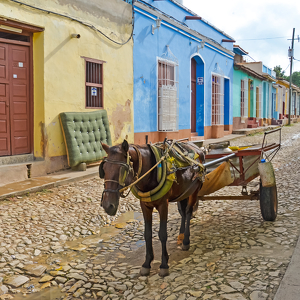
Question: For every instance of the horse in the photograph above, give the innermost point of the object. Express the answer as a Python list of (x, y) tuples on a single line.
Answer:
[(122, 166)]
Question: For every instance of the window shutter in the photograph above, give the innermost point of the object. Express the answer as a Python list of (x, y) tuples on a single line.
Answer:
[(167, 108)]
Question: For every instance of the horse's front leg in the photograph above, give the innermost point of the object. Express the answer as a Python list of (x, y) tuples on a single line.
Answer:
[(163, 214), (147, 213)]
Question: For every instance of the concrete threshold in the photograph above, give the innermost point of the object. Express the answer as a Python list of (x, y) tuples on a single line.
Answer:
[(247, 131), (46, 182)]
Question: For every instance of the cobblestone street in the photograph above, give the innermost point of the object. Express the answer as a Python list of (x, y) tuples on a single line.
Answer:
[(60, 244)]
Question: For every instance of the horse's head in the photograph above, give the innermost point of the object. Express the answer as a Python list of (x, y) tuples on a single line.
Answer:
[(116, 169)]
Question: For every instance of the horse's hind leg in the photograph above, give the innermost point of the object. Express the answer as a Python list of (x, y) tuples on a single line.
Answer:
[(189, 211), (163, 214), (147, 213), (182, 210)]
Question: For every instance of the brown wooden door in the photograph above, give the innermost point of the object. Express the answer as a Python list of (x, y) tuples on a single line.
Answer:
[(14, 100), (4, 102), (193, 95)]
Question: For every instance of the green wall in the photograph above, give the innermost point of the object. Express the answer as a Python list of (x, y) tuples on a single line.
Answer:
[(239, 75)]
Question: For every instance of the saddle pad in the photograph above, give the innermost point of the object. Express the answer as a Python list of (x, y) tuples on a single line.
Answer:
[(83, 133)]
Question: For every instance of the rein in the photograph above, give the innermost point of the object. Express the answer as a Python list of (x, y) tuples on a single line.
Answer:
[(129, 167)]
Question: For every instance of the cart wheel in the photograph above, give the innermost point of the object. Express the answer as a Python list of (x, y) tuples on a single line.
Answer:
[(268, 202)]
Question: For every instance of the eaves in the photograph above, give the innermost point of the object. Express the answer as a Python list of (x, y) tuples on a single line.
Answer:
[(269, 78), (185, 30), (242, 67), (211, 25)]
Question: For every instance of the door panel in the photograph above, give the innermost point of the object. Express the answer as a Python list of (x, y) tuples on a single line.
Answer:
[(3, 63), (5, 141), (193, 95), (19, 100)]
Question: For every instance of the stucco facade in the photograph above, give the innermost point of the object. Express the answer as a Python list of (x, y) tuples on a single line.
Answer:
[(58, 66), (182, 41)]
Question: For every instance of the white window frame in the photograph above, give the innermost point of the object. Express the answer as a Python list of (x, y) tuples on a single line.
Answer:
[(167, 99), (217, 111)]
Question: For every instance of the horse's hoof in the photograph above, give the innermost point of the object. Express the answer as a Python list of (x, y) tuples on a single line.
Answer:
[(144, 271), (163, 272), (185, 247)]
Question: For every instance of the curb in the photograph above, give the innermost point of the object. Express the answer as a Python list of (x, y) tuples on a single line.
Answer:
[(48, 185)]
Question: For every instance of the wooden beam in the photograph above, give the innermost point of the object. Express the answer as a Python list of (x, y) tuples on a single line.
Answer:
[(228, 41), (23, 26), (193, 18), (245, 197)]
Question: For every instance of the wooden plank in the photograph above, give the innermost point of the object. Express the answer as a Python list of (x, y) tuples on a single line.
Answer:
[(193, 18)]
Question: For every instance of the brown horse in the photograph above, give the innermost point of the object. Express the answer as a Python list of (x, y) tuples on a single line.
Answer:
[(121, 167)]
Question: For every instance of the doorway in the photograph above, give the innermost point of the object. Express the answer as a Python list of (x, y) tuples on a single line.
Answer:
[(193, 94), (197, 95), (15, 114)]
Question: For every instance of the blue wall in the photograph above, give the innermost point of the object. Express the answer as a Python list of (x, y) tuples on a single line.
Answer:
[(147, 48), (179, 13)]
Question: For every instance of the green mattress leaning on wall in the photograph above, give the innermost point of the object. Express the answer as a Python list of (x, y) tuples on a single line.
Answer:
[(83, 133)]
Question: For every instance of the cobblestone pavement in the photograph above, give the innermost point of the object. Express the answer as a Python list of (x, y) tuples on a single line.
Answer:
[(59, 244)]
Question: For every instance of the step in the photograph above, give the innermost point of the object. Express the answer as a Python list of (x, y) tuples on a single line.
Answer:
[(195, 138), (15, 172), (252, 125), (12, 173), (16, 159)]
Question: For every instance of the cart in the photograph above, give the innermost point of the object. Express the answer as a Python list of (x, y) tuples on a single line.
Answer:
[(244, 167)]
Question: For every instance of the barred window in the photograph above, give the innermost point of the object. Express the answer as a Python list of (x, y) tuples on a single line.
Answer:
[(93, 83), (167, 96), (244, 98), (217, 100)]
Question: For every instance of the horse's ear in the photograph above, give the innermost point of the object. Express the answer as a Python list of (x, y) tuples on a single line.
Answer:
[(105, 147), (125, 146)]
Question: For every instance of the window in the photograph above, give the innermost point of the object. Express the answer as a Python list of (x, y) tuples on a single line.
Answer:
[(167, 96), (93, 83), (244, 98), (217, 100)]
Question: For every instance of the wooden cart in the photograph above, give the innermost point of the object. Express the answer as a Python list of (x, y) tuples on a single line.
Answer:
[(244, 166)]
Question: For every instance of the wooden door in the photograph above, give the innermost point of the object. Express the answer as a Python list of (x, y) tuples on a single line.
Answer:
[(4, 102), (14, 100), (193, 94), (19, 99)]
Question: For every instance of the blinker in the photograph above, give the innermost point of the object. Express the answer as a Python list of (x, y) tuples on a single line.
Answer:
[(101, 171)]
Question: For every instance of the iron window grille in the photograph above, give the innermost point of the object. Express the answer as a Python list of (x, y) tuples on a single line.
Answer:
[(217, 100), (93, 83)]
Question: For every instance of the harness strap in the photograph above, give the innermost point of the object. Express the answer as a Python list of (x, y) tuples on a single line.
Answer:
[(110, 180), (189, 191), (140, 160)]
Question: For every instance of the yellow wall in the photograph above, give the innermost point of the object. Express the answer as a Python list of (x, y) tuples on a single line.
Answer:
[(59, 70)]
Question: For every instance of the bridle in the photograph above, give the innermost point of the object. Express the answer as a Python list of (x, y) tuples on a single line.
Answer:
[(125, 170)]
